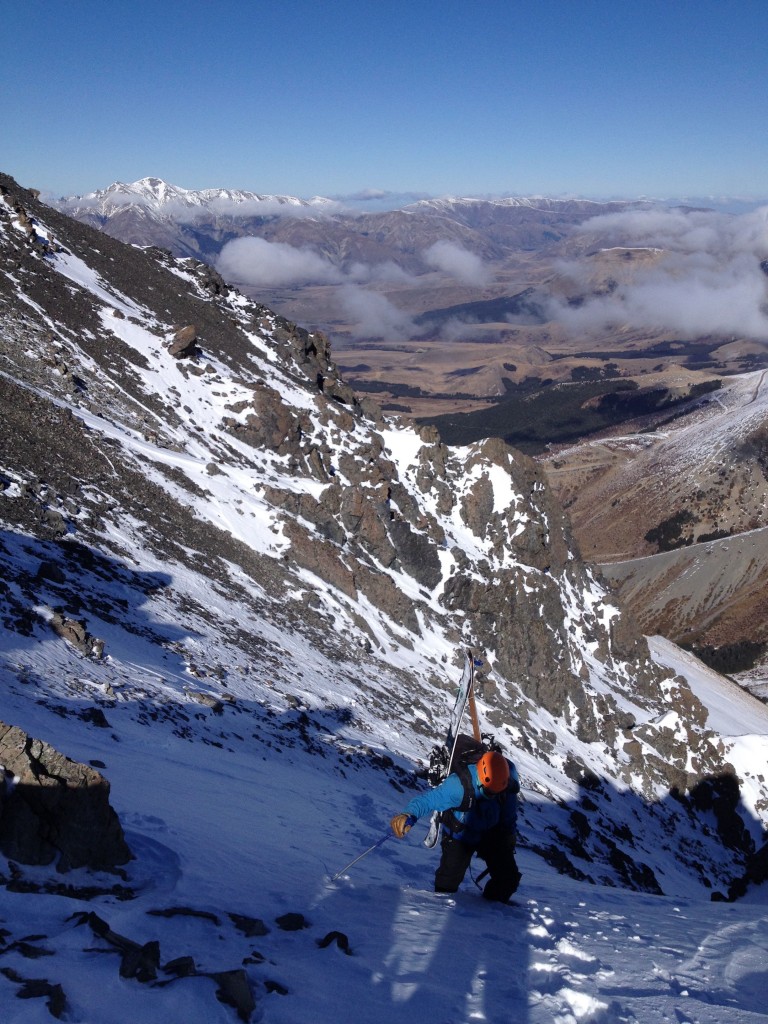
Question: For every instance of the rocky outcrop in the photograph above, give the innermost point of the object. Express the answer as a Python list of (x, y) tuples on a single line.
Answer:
[(55, 809), (75, 632), (183, 344)]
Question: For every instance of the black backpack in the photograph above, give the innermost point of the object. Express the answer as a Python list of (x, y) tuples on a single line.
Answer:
[(467, 751)]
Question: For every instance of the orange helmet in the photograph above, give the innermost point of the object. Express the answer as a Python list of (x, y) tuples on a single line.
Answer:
[(493, 772)]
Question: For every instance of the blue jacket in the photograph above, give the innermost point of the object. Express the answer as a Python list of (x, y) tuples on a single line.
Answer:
[(487, 812)]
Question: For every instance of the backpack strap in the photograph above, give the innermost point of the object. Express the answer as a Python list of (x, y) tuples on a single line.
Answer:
[(468, 800)]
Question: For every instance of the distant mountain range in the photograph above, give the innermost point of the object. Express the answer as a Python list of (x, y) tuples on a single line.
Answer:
[(198, 223)]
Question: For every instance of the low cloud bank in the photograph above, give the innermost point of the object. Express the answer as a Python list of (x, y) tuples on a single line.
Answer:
[(254, 261), (707, 278), (374, 315), (463, 265), (257, 263)]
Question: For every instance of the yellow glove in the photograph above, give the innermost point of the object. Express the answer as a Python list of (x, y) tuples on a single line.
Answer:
[(401, 823)]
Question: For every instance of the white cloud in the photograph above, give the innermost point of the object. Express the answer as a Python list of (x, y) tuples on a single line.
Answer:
[(707, 279), (387, 272), (374, 316), (254, 261), (267, 206), (460, 263)]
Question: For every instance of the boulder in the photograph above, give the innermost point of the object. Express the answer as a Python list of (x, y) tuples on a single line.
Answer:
[(183, 343), (55, 809), (74, 631)]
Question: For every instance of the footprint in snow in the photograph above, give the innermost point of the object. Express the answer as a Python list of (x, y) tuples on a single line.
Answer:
[(581, 962)]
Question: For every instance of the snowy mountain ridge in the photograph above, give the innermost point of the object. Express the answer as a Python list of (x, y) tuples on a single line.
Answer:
[(155, 193), (271, 576), (347, 232), (160, 196)]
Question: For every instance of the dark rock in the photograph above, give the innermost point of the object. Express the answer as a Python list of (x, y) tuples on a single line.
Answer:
[(634, 874), (276, 986), (722, 794), (57, 810), (233, 990), (208, 700), (292, 922), (205, 915), (319, 557), (96, 717), (141, 962), (39, 988), (756, 873), (75, 632), (209, 279), (339, 938), (417, 553), (183, 343), (249, 926), (30, 952), (51, 571), (181, 967), (138, 961), (578, 772)]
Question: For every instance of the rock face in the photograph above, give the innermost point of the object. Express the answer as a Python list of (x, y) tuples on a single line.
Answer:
[(54, 809)]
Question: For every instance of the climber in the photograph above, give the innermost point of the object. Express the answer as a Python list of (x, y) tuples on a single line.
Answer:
[(478, 805)]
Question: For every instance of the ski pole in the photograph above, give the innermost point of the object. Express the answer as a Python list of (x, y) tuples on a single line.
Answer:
[(384, 838), (376, 845)]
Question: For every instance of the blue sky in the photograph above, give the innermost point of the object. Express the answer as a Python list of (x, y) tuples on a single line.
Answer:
[(632, 97)]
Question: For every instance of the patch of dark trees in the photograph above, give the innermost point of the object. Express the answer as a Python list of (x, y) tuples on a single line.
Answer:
[(406, 390), (538, 412), (677, 349), (728, 659), (677, 531), (755, 447), (694, 355)]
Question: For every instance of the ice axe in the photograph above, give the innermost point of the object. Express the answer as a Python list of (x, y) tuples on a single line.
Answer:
[(387, 835)]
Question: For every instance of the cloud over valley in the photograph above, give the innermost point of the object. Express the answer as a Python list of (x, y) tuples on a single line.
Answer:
[(257, 262), (693, 271), (461, 264), (254, 263)]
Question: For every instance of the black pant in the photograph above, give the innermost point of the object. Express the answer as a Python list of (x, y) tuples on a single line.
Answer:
[(496, 848)]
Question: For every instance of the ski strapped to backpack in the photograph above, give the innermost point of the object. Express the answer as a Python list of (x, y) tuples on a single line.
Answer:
[(459, 750), (441, 756)]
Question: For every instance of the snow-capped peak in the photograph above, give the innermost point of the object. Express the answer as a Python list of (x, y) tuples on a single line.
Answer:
[(156, 194)]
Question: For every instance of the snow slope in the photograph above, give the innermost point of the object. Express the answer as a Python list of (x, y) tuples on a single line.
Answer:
[(234, 814)]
